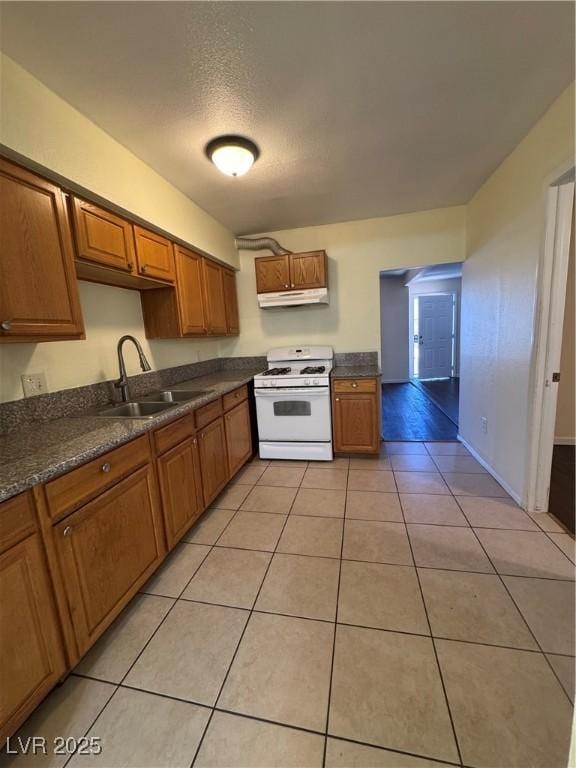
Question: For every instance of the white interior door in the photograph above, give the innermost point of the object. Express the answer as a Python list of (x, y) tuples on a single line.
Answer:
[(436, 329)]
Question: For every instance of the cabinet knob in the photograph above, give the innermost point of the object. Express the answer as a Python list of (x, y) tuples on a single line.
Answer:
[(67, 531), (105, 467), (130, 266), (143, 268), (286, 285), (292, 285), (337, 399), (354, 384), (194, 441), (6, 325)]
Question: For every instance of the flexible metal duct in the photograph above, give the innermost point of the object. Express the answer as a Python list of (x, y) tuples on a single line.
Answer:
[(260, 243)]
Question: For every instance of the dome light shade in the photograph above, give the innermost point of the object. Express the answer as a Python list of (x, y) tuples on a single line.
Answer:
[(232, 155)]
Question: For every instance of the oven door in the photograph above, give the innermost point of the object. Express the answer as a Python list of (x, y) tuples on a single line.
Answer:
[(299, 414)]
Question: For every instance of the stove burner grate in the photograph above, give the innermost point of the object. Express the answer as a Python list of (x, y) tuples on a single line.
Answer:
[(314, 369), (277, 372)]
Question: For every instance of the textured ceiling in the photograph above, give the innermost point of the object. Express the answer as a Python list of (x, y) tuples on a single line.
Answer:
[(359, 109)]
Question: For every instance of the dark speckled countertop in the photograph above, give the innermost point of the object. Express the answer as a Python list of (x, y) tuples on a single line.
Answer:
[(39, 452), (355, 371)]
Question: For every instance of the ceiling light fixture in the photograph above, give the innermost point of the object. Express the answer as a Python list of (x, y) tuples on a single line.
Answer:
[(232, 155)]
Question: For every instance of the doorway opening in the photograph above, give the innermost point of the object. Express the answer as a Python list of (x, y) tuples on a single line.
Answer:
[(552, 449), (420, 352)]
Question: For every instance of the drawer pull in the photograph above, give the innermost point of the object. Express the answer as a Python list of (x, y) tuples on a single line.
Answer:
[(67, 531), (106, 467), (6, 325)]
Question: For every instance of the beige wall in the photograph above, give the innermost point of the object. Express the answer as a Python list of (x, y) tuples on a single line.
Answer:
[(566, 410), (41, 126), (357, 252), (505, 225)]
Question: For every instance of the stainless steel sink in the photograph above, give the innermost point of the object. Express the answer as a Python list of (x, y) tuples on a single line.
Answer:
[(174, 395), (134, 410)]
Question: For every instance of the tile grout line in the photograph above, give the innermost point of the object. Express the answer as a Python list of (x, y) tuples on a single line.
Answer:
[(336, 619), (250, 613), (452, 724), (511, 596)]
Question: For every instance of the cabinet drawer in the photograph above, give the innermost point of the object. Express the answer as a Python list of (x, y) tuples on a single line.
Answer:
[(208, 413), (17, 520), (174, 433), (73, 489), (235, 397), (355, 385)]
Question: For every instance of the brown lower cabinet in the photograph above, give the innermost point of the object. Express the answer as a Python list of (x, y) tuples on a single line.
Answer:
[(107, 550), (356, 415), (31, 650), (181, 488), (75, 551), (238, 436), (213, 458)]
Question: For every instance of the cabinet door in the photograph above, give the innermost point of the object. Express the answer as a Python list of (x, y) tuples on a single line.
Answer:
[(154, 255), (213, 460), (308, 270), (356, 423), (231, 302), (30, 643), (38, 287), (190, 294), (214, 292), (103, 237), (272, 273), (181, 488), (238, 436), (107, 550)]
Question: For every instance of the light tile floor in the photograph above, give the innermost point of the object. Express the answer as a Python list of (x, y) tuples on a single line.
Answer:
[(398, 612)]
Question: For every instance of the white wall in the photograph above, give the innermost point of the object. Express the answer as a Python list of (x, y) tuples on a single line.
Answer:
[(394, 329), (41, 126), (357, 252), (505, 225)]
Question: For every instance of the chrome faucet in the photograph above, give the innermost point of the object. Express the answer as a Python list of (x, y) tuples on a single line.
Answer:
[(122, 382)]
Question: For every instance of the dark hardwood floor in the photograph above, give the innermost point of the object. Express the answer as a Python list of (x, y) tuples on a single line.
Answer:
[(444, 393), (562, 499), (409, 414)]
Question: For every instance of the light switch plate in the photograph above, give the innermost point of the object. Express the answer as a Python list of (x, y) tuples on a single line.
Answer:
[(34, 384)]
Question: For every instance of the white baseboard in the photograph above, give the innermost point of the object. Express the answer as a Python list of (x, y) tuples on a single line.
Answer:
[(517, 498), (395, 381), (565, 441)]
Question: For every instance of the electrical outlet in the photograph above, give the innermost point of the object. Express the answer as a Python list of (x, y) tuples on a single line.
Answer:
[(34, 384), (484, 422)]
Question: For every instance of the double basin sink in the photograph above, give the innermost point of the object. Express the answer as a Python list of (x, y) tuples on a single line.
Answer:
[(151, 405)]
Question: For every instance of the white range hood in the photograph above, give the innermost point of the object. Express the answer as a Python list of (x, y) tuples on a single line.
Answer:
[(293, 298)]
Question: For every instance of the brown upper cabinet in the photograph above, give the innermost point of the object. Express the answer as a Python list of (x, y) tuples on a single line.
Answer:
[(295, 271), (102, 237), (214, 293), (272, 273), (231, 302), (203, 303), (154, 256), (38, 289)]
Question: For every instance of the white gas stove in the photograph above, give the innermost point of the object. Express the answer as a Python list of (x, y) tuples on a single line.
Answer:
[(293, 404)]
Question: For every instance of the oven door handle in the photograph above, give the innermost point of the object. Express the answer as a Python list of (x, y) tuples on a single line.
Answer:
[(310, 391)]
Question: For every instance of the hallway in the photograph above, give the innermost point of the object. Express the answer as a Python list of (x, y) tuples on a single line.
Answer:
[(420, 410)]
